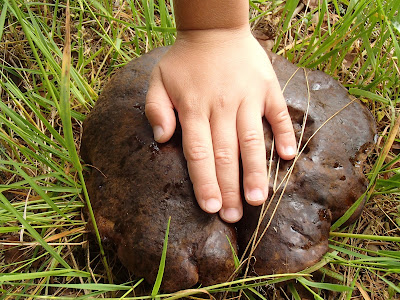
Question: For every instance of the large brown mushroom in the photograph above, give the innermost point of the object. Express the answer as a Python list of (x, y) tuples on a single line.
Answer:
[(135, 184)]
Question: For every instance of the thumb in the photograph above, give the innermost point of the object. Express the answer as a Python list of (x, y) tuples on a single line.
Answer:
[(159, 109)]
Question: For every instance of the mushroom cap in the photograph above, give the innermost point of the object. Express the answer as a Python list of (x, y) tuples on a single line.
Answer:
[(136, 184)]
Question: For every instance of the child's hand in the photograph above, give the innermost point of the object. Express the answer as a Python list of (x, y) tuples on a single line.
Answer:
[(221, 83)]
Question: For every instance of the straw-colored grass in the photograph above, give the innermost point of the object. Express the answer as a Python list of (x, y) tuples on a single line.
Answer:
[(54, 64)]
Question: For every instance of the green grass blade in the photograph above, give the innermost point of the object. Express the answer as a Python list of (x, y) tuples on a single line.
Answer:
[(34, 275), (294, 292), (235, 257), (391, 284), (160, 274), (65, 110), (3, 18), (367, 236), (325, 286), (349, 212), (369, 95)]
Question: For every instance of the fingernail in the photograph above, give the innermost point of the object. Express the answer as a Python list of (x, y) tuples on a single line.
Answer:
[(213, 205), (158, 132), (290, 151), (255, 195), (231, 215)]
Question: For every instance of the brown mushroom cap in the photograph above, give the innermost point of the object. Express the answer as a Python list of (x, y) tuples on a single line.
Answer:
[(135, 184)]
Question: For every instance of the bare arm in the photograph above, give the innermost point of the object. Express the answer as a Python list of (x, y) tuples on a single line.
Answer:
[(221, 83), (211, 14)]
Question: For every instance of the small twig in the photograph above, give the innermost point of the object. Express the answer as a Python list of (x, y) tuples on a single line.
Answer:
[(21, 234)]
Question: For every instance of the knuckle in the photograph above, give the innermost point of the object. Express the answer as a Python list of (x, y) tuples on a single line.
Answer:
[(287, 133), (282, 124), (221, 101), (206, 190), (268, 77), (252, 139), (230, 193), (282, 117), (197, 152), (190, 107), (150, 107), (223, 156), (256, 173)]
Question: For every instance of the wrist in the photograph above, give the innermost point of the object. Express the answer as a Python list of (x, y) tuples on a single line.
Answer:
[(214, 35)]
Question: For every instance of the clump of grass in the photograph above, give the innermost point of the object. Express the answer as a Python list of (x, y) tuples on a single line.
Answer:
[(42, 191), (42, 180)]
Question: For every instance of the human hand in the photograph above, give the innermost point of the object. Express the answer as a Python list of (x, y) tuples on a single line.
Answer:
[(221, 83)]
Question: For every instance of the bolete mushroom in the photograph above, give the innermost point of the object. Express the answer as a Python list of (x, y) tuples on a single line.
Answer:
[(135, 184)]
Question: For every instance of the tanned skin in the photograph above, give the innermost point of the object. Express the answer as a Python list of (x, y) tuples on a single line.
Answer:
[(221, 82)]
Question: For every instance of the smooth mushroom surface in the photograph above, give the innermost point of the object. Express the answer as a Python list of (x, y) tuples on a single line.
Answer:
[(136, 184)]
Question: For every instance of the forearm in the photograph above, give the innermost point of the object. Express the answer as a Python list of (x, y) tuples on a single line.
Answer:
[(211, 14)]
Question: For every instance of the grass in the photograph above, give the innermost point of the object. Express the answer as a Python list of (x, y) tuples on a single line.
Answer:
[(50, 79)]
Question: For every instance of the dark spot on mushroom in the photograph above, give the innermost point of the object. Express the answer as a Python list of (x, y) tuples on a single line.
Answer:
[(306, 150), (323, 215), (336, 165), (166, 187)]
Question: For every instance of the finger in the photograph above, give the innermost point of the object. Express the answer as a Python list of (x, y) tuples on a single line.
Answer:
[(252, 149), (226, 156), (198, 150), (278, 117), (159, 109)]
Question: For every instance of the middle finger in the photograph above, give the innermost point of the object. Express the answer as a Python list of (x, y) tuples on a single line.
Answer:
[(226, 155)]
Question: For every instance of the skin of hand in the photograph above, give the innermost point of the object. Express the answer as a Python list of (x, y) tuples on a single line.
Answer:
[(221, 83)]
